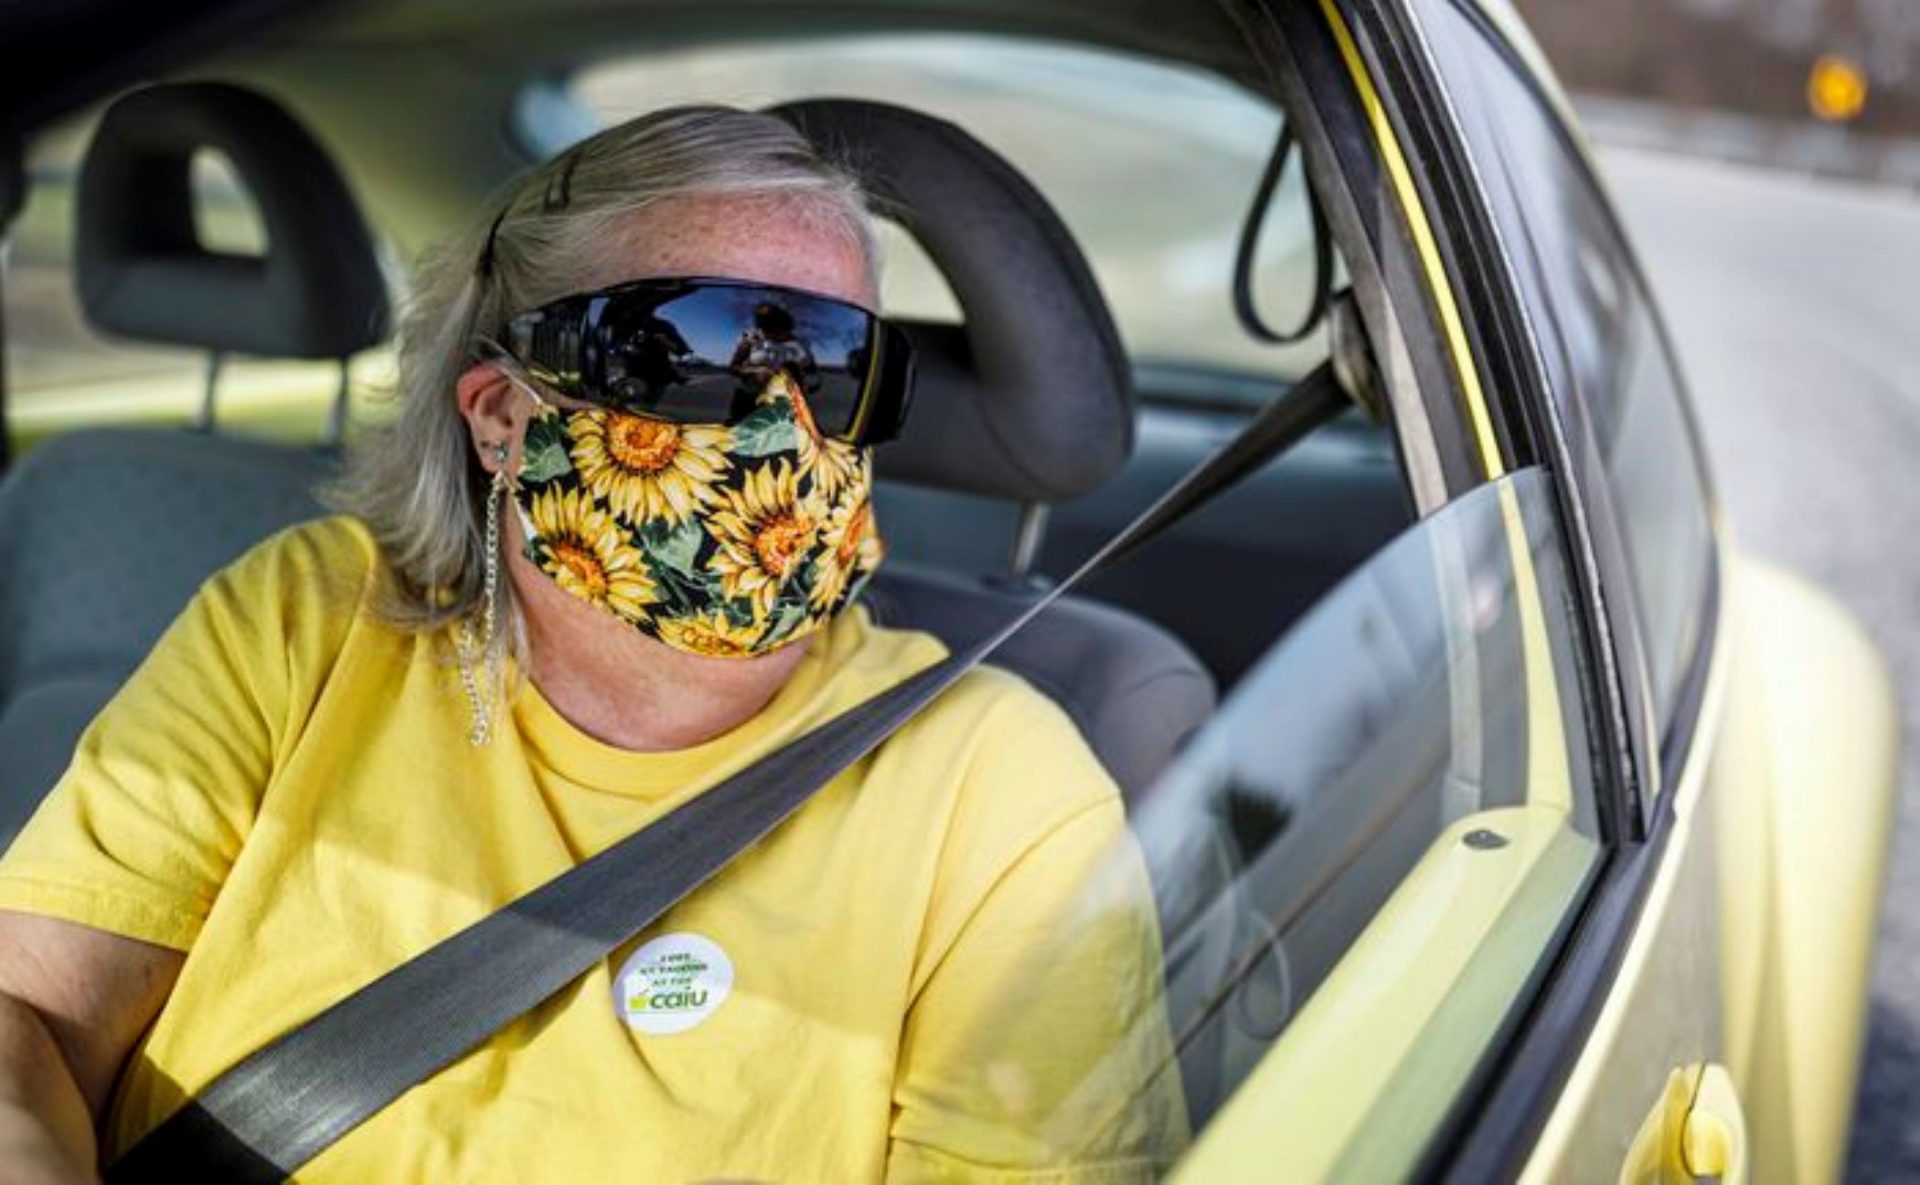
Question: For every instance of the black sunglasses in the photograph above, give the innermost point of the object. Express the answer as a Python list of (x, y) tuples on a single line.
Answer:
[(698, 350)]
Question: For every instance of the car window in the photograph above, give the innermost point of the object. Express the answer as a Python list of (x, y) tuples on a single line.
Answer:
[(1365, 856), (1151, 166), (63, 374), (1605, 323)]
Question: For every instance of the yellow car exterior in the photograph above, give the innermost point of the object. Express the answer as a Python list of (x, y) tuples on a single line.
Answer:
[(1728, 1040)]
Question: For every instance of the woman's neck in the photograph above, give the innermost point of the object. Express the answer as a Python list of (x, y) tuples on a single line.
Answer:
[(627, 690)]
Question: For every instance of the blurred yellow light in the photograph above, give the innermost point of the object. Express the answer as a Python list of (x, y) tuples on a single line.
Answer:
[(1836, 89)]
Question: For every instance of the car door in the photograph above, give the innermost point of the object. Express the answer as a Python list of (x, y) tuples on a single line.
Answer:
[(1629, 1038), (1390, 851), (1372, 863)]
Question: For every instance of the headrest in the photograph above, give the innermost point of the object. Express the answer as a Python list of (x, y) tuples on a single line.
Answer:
[(1031, 398), (316, 293)]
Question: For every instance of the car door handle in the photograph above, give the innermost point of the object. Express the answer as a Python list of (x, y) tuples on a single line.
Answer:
[(1716, 1129), (1695, 1132)]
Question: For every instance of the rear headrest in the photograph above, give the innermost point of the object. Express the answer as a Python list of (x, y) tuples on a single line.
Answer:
[(1031, 398), (316, 293)]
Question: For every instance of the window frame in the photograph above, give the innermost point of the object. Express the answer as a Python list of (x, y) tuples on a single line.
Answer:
[(1658, 744), (1424, 401), (1494, 1127), (1494, 1121)]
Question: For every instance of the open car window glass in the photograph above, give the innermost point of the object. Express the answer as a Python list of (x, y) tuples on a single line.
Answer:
[(1151, 166), (1360, 863)]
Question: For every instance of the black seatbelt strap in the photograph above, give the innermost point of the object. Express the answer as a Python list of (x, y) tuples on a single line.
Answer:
[(285, 1103)]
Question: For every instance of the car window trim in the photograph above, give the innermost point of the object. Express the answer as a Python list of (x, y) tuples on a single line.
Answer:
[(1666, 748), (1400, 136), (1384, 31), (1511, 348), (1494, 1129), (1682, 721), (1539, 1037), (1312, 85)]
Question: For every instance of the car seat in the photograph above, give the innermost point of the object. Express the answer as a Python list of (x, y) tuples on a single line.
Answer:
[(112, 530)]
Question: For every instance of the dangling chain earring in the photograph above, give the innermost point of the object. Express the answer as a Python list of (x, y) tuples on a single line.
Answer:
[(482, 704)]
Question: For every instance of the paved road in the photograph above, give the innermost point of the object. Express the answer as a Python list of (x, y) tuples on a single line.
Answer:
[(1797, 306)]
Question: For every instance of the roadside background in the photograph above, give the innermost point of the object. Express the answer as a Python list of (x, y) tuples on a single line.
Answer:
[(1823, 86), (1766, 157)]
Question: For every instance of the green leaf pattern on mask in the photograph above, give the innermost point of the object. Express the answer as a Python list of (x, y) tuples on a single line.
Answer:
[(545, 463), (676, 549), (546, 449), (768, 432)]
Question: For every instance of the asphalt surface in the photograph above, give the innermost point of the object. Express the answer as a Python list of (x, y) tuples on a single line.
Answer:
[(1796, 304)]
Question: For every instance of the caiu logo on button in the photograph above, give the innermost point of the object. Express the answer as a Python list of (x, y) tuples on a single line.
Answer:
[(672, 983)]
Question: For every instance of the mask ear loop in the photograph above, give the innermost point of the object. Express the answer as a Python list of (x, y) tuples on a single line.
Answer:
[(541, 408), (486, 349)]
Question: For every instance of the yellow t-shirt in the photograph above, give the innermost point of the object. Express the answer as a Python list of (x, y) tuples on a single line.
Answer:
[(945, 966)]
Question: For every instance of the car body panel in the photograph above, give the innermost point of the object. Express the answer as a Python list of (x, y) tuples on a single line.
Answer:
[(1757, 935), (1808, 760), (1661, 1009)]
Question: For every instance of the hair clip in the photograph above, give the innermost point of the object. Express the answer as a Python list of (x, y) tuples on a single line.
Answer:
[(559, 193), (560, 186), (486, 252)]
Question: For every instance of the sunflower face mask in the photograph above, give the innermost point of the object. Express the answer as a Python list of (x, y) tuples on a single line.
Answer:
[(718, 540)]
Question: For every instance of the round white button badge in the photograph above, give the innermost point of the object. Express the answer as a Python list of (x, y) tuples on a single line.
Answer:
[(672, 983)]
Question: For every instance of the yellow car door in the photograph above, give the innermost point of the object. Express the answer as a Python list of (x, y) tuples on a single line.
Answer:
[(1708, 1015)]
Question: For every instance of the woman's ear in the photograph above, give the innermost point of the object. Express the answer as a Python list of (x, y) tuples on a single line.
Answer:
[(496, 411)]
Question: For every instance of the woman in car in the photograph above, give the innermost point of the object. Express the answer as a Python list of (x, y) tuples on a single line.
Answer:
[(556, 607)]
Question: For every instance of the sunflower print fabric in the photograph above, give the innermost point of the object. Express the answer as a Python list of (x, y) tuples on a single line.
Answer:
[(717, 540)]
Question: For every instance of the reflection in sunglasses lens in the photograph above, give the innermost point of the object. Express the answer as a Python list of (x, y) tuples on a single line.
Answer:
[(705, 354)]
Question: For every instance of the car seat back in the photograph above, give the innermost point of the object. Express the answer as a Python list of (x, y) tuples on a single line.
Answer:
[(108, 533)]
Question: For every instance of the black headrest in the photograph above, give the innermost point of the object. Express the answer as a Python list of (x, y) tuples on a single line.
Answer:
[(316, 293), (1032, 397)]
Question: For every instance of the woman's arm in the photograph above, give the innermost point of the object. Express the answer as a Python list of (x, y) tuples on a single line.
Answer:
[(73, 1002), (1037, 1045), (115, 873)]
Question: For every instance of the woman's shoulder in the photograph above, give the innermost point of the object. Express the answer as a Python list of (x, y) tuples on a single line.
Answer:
[(986, 696), (312, 577), (332, 553), (1003, 733)]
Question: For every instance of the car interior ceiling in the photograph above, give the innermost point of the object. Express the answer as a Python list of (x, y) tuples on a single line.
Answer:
[(1209, 35)]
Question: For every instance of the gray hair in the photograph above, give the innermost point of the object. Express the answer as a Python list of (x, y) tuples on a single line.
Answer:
[(415, 480)]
